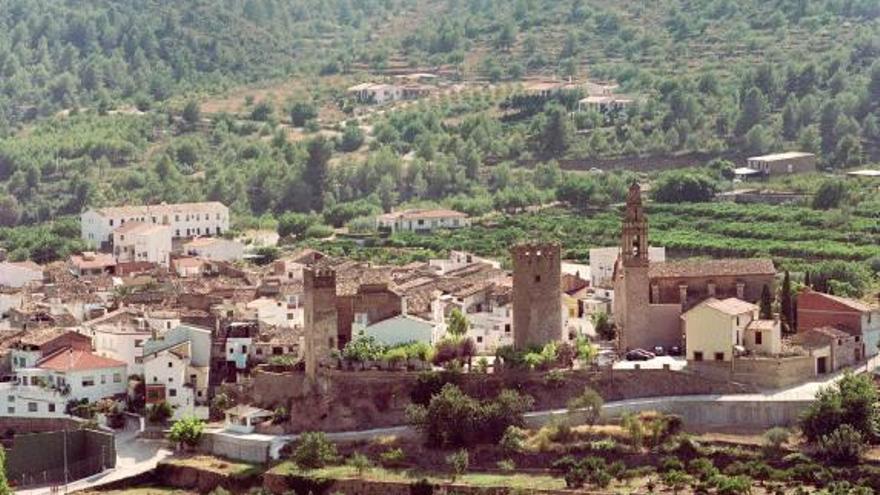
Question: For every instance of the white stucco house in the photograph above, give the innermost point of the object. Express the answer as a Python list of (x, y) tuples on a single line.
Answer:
[(602, 263), (184, 219), (715, 330), (176, 370), (67, 374), (18, 274), (273, 312), (422, 220), (403, 329), (214, 248), (142, 242)]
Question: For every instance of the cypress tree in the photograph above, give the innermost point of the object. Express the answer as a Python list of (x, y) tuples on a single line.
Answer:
[(766, 311), (785, 305)]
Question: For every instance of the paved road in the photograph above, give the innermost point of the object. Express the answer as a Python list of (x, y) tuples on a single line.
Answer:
[(134, 456)]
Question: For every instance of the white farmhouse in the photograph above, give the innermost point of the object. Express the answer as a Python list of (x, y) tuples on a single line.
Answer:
[(142, 242), (19, 274), (215, 248), (176, 370), (273, 312), (715, 330), (184, 219), (422, 220), (602, 262)]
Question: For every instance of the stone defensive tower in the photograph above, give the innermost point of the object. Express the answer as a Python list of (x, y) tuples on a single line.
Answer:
[(319, 308), (631, 281), (537, 301)]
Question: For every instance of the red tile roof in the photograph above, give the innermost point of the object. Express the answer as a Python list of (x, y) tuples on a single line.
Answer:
[(712, 268), (73, 360)]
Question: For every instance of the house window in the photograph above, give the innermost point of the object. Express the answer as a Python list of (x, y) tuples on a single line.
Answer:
[(111, 222), (839, 341), (88, 381), (277, 351), (139, 343), (117, 378), (537, 278), (737, 321), (507, 328), (244, 349), (170, 364), (719, 356), (11, 398), (259, 351), (172, 392), (479, 339), (51, 407), (698, 356), (759, 339), (103, 379), (10, 410), (32, 407)]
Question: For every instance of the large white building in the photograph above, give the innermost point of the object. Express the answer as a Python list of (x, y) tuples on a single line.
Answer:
[(422, 220), (184, 219), (142, 242), (602, 262)]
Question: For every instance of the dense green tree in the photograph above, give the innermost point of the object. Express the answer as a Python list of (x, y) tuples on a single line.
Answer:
[(558, 132), (315, 176), (766, 306), (684, 187), (830, 194), (192, 113), (457, 324), (752, 111), (301, 112)]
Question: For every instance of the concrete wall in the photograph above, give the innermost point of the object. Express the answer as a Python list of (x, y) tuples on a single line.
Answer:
[(704, 412), (39, 458), (235, 447)]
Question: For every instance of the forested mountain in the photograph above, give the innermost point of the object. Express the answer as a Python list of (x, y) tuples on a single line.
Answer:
[(58, 54), (244, 102)]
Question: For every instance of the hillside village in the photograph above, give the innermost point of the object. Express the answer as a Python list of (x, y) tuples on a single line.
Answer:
[(167, 319)]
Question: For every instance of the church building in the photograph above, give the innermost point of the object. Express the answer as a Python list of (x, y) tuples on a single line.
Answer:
[(649, 298)]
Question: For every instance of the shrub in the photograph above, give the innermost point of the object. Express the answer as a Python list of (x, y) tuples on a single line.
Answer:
[(675, 480), (670, 464), (360, 463), (589, 403), (160, 412), (506, 465), (732, 485), (453, 419), (775, 438), (392, 457), (849, 402), (554, 379), (843, 445), (512, 440), (187, 431), (314, 451), (458, 462)]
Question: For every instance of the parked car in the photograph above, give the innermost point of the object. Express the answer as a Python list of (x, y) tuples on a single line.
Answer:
[(659, 350), (675, 351), (639, 355)]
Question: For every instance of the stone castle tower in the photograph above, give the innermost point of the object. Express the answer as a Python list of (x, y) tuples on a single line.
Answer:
[(319, 308), (537, 302), (631, 281)]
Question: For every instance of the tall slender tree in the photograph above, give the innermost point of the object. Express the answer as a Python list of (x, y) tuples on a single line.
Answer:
[(786, 306), (766, 311)]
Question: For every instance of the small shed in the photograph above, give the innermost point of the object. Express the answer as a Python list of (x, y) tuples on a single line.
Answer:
[(243, 418)]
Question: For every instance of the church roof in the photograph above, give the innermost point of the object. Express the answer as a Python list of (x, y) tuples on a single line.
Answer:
[(727, 267)]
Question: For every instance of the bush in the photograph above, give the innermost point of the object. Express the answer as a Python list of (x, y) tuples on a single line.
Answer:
[(506, 465), (458, 462), (360, 463), (314, 451), (392, 457), (589, 403), (513, 439), (318, 231), (845, 445), (680, 186), (187, 431), (702, 468), (160, 412), (776, 438), (851, 401), (732, 485), (453, 419)]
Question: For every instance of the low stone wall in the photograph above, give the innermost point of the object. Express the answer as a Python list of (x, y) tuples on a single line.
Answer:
[(201, 480), (280, 484), (346, 401), (763, 373), (707, 412)]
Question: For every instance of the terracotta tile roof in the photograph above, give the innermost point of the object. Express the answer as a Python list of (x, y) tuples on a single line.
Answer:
[(30, 265), (416, 214), (39, 336), (141, 228), (731, 306), (818, 337), (161, 209), (712, 268), (73, 360), (850, 303), (90, 260), (763, 325), (572, 283)]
